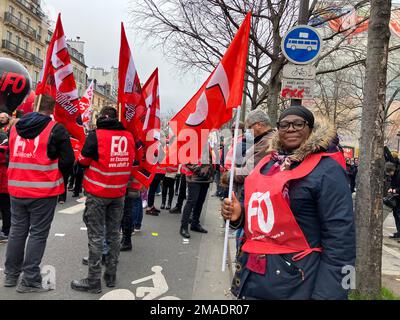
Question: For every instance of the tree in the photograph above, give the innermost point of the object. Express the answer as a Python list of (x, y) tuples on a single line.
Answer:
[(369, 207), (196, 33)]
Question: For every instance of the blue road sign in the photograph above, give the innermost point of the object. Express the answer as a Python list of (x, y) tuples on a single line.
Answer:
[(301, 44)]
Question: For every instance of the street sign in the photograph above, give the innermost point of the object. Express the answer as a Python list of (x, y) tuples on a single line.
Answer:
[(297, 89), (301, 44), (293, 71)]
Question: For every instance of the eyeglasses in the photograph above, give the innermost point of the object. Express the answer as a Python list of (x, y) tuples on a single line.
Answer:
[(297, 125)]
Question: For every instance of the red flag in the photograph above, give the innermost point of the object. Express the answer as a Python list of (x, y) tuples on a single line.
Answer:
[(212, 105), (85, 106), (130, 99), (58, 81), (146, 169)]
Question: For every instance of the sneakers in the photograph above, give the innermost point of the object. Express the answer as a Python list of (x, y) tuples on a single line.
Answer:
[(10, 282), (126, 244), (176, 210), (158, 194), (162, 206), (3, 238), (144, 204), (395, 236), (81, 200), (137, 230), (87, 285), (168, 207), (23, 287)]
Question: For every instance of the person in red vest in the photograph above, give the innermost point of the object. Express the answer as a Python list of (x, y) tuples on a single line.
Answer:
[(40, 154), (108, 156), (298, 217), (5, 205)]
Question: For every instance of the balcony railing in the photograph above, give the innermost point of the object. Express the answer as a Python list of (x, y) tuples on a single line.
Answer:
[(31, 7), (22, 26), (22, 53)]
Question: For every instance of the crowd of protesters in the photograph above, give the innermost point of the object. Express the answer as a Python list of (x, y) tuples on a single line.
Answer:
[(296, 172)]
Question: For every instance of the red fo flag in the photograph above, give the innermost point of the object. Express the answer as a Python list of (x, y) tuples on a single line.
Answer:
[(130, 99), (146, 169), (85, 106), (212, 106), (59, 82)]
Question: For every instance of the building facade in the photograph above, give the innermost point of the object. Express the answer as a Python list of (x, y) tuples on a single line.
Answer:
[(23, 33), (102, 97), (76, 49), (104, 77)]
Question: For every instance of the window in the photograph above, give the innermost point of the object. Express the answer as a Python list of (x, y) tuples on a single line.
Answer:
[(9, 36), (39, 31), (18, 41), (36, 77), (26, 47), (38, 52), (11, 9), (28, 21), (20, 15)]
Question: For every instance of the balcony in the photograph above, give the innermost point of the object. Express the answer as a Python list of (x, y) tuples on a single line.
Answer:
[(32, 8), (22, 53), (21, 26)]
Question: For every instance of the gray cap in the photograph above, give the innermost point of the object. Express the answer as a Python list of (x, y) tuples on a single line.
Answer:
[(256, 116)]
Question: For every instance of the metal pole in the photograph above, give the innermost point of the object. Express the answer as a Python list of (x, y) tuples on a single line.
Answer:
[(302, 20)]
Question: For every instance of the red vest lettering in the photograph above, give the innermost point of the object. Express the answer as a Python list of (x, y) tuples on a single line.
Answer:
[(109, 176), (270, 226), (31, 174)]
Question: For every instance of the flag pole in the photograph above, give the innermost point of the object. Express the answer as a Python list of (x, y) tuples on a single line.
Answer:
[(235, 138), (119, 112), (37, 107)]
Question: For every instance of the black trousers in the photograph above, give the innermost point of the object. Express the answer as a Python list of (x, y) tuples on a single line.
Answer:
[(153, 188), (127, 221), (396, 215), (5, 208), (177, 182), (78, 180), (197, 194), (168, 187), (182, 191)]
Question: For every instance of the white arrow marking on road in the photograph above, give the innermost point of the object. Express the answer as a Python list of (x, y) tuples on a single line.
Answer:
[(74, 209)]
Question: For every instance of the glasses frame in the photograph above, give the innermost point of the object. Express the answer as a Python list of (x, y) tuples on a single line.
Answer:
[(291, 124)]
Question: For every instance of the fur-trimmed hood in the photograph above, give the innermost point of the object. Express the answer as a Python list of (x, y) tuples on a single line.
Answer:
[(321, 137)]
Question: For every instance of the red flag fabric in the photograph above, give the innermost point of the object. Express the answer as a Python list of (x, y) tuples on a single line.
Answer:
[(85, 106), (145, 171), (28, 105), (58, 81), (212, 106), (130, 99)]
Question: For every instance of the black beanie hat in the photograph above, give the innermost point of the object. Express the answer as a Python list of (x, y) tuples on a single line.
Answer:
[(299, 111)]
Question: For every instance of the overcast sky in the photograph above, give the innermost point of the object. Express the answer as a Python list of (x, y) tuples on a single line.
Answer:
[(97, 22)]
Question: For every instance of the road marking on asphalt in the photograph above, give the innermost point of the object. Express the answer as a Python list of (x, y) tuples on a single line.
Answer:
[(74, 209), (59, 235), (391, 251), (83, 229)]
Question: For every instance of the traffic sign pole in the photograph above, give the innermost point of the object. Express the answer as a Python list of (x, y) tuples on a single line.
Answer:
[(303, 19)]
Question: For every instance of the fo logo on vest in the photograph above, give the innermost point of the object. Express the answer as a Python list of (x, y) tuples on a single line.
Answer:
[(21, 146), (119, 146), (257, 201)]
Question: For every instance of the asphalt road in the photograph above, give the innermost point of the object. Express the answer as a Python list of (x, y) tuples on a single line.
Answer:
[(190, 270)]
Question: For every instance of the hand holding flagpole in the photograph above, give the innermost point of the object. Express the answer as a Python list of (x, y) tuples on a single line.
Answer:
[(235, 138)]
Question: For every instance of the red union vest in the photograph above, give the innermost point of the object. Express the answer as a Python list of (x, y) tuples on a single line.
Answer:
[(31, 174), (270, 226), (109, 176)]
